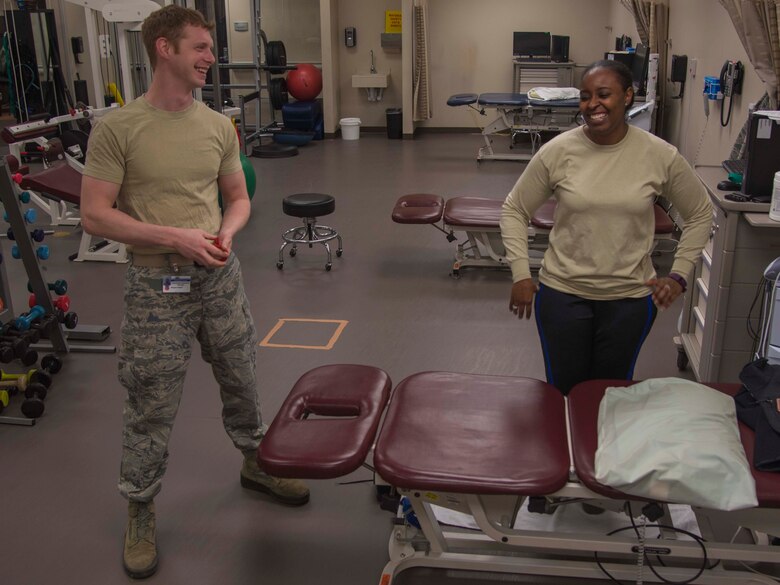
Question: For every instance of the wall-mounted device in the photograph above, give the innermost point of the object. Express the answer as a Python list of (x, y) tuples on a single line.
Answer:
[(350, 36), (77, 44), (679, 73), (731, 75), (731, 78)]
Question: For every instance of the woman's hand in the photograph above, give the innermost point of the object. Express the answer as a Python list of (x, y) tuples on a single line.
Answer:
[(665, 291), (522, 298)]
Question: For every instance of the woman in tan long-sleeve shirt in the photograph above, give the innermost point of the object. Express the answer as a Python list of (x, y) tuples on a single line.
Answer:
[(598, 292)]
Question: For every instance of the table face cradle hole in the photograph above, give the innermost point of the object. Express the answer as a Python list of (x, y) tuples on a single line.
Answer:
[(304, 333)]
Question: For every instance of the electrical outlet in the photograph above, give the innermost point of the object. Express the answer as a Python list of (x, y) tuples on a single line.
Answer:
[(692, 67), (105, 46)]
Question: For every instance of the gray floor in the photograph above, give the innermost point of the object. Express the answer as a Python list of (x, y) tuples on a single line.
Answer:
[(61, 519)]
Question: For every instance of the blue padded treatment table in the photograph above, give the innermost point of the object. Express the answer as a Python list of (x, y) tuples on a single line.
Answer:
[(518, 114)]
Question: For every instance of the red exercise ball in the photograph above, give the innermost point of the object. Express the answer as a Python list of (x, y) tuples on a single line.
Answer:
[(305, 82)]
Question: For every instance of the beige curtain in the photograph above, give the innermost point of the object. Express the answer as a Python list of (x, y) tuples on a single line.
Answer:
[(422, 80), (757, 23), (652, 24)]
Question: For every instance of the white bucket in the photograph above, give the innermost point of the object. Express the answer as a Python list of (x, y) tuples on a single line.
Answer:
[(350, 128)]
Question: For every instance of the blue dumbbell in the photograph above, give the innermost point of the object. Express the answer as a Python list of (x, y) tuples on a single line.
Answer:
[(24, 196), (29, 215), (23, 322), (42, 252)]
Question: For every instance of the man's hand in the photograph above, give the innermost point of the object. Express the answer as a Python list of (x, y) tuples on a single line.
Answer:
[(199, 246), (522, 298)]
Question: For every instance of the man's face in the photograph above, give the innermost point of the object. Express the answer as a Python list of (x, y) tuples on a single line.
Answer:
[(193, 56)]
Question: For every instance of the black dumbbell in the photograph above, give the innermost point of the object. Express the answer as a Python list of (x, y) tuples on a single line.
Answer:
[(30, 335), (59, 287), (45, 325), (37, 234), (7, 354), (34, 395), (50, 365), (19, 345), (70, 320)]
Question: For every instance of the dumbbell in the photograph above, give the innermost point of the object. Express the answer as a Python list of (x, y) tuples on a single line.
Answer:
[(19, 344), (37, 234), (59, 287), (70, 320), (23, 322), (45, 325), (50, 365), (4, 399), (8, 354), (9, 331), (15, 381), (41, 251), (8, 377), (29, 215), (62, 303), (34, 395)]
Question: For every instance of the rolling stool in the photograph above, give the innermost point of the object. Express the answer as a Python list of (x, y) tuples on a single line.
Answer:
[(309, 206)]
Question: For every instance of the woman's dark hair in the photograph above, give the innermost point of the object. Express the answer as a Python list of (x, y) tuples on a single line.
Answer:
[(621, 71)]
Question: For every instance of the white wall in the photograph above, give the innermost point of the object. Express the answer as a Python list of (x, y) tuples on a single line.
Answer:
[(471, 44), (471, 51), (368, 17), (702, 30)]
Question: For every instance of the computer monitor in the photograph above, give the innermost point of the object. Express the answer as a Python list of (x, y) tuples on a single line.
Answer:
[(531, 44), (763, 144), (639, 69)]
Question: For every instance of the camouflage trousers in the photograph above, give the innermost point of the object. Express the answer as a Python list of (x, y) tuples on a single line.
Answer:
[(158, 331)]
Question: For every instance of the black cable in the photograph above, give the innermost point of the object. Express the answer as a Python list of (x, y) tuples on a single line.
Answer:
[(723, 109), (658, 557), (698, 539), (755, 335)]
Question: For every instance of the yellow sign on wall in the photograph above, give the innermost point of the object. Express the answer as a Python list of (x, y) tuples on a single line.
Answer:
[(392, 21)]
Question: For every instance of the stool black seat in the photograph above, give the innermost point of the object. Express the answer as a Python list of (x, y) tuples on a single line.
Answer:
[(309, 206)]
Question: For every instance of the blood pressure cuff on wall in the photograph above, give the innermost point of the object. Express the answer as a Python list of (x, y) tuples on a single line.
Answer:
[(672, 440)]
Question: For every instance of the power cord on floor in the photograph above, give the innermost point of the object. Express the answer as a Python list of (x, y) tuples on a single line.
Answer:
[(645, 561)]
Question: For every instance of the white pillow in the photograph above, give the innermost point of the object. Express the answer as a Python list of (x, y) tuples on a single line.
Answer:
[(672, 440)]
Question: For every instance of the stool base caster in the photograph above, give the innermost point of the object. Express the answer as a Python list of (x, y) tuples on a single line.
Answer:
[(327, 267), (280, 265)]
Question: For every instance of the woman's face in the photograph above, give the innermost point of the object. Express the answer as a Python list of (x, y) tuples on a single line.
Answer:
[(603, 103)]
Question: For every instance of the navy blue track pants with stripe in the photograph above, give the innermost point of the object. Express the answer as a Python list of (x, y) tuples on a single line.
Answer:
[(587, 340)]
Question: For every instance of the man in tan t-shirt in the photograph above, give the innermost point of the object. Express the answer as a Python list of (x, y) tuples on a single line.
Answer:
[(153, 172)]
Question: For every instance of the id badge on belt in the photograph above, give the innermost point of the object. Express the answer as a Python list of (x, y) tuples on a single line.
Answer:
[(176, 284)]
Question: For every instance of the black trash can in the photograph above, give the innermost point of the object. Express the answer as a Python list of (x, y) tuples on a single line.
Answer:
[(395, 124)]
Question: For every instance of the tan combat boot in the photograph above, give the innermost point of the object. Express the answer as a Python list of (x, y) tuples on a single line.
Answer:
[(292, 492), (140, 556)]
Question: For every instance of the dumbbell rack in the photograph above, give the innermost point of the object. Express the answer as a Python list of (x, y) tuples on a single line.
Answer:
[(57, 338)]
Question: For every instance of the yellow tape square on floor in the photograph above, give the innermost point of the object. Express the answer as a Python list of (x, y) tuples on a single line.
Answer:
[(337, 323)]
